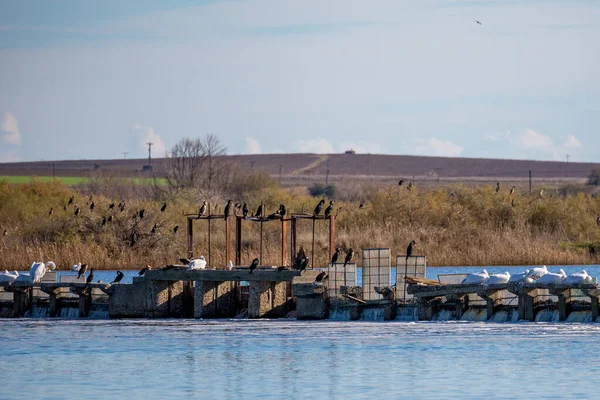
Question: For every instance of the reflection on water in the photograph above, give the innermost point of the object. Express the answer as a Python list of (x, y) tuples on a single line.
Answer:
[(289, 359)]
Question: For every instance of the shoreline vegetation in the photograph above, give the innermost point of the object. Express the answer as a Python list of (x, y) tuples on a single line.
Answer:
[(453, 225)]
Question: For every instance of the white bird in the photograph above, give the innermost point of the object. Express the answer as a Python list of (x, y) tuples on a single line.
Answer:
[(230, 265), (477, 277), (76, 267), (551, 277), (39, 269), (578, 277), (537, 272), (8, 276), (198, 263), (519, 277), (498, 278)]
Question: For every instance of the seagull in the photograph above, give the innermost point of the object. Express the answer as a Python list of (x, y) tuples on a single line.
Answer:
[(118, 278), (253, 265)]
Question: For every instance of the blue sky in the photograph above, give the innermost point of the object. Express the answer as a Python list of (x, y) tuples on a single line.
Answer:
[(83, 79)]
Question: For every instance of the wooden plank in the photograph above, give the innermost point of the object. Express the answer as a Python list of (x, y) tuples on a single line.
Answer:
[(270, 275), (361, 301)]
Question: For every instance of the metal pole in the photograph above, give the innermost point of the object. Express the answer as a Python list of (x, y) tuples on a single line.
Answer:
[(312, 250), (261, 232)]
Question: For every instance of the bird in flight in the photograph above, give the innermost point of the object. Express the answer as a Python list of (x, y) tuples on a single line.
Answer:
[(479, 22)]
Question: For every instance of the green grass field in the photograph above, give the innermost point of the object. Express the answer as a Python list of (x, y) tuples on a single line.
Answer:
[(67, 180)]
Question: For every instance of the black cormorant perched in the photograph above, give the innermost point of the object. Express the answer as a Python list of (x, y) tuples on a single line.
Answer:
[(245, 210), (71, 200), (202, 209), (92, 206), (228, 208), (361, 205), (82, 271), (282, 211), (512, 190), (349, 256), (409, 249), (176, 228), (253, 265), (109, 220), (76, 213), (335, 256), (318, 208), (329, 209), (111, 205), (321, 277), (154, 228), (300, 257), (144, 270), (410, 185), (304, 264), (90, 277), (141, 213), (164, 207), (184, 261), (401, 182), (51, 211), (103, 220), (259, 211), (118, 277), (497, 187)]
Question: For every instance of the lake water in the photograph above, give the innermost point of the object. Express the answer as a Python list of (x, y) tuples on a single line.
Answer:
[(286, 359)]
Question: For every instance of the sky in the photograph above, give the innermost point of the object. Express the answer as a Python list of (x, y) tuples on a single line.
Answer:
[(96, 79)]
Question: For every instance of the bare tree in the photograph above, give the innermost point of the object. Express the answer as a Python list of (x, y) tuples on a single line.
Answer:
[(192, 162)]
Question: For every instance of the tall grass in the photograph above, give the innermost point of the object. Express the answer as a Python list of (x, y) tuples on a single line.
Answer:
[(452, 226)]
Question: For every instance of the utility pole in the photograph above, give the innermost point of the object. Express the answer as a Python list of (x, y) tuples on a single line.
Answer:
[(125, 154), (529, 181), (149, 152), (567, 158), (437, 170), (280, 169), (327, 176)]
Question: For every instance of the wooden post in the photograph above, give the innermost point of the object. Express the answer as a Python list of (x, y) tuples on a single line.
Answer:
[(209, 243), (228, 249), (284, 230), (261, 241), (238, 244), (190, 237), (331, 235), (594, 304), (312, 249), (85, 302), (293, 244)]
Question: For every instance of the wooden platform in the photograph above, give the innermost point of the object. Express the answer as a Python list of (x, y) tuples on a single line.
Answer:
[(236, 275)]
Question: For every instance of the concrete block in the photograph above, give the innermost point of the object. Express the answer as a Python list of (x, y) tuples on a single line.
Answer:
[(312, 301), (163, 299), (267, 299), (127, 300), (215, 299)]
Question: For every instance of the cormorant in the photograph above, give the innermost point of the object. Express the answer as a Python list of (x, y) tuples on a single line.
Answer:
[(103, 220), (202, 209), (282, 211), (401, 182), (304, 264), (497, 187), (281, 268), (90, 277), (176, 228), (51, 211), (361, 205), (76, 213), (133, 239), (318, 208), (141, 213), (253, 265), (245, 210), (259, 211), (144, 270), (71, 200), (228, 209), (82, 271), (184, 261), (512, 190), (300, 257), (410, 185), (164, 207), (409, 249), (109, 220), (335, 256), (329, 209), (118, 278), (154, 228), (321, 277), (349, 256), (111, 205), (92, 206)]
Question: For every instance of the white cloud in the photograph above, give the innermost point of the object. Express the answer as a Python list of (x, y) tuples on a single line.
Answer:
[(436, 147), (530, 139), (9, 156), (319, 145), (10, 128), (252, 146), (143, 135), (571, 142)]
